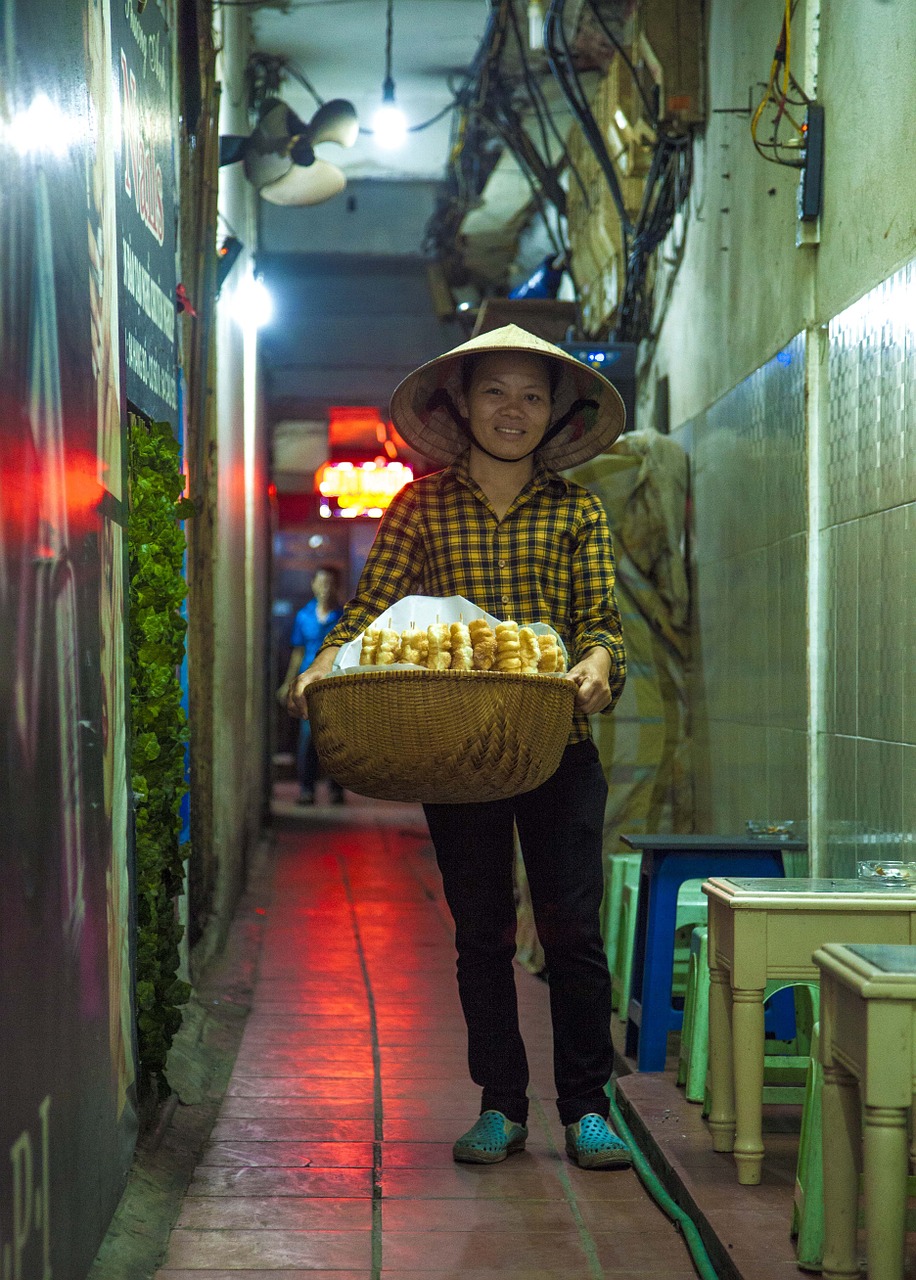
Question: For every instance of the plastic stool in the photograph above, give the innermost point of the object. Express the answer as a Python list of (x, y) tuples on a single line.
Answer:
[(808, 1201), (693, 1055), (668, 861), (623, 957), (691, 911), (619, 869), (785, 1061)]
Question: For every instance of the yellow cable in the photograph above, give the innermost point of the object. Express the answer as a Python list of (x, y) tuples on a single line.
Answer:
[(788, 21)]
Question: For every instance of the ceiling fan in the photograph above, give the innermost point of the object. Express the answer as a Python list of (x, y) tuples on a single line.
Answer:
[(279, 155)]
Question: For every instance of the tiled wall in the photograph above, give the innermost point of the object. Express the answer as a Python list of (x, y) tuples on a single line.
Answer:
[(751, 467), (749, 558), (868, 543)]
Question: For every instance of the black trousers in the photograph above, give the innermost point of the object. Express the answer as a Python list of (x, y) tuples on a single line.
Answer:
[(560, 828)]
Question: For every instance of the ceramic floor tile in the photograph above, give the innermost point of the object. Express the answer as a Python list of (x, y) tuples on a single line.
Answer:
[(330, 1087), (213, 1180), (428, 1086), (497, 1250), (277, 1213), (448, 1108), (324, 1155), (658, 1244), (293, 1129), (265, 1039), (267, 1250), (340, 1063), (414, 1129), (507, 1182), (277, 1108), (416, 1155), (477, 1214), (283, 1274), (476, 1273)]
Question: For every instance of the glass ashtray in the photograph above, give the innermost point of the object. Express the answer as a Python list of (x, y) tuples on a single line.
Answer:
[(782, 828), (900, 875)]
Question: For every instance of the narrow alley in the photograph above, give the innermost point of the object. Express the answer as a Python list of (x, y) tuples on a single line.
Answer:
[(332, 1152)]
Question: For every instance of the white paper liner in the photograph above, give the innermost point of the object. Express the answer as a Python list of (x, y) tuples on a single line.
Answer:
[(425, 611)]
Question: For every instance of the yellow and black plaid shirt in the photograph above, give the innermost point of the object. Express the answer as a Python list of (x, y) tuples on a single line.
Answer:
[(549, 560)]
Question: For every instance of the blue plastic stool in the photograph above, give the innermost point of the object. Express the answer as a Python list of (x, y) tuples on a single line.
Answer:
[(651, 1013)]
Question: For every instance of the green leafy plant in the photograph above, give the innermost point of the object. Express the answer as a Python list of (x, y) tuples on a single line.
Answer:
[(156, 638)]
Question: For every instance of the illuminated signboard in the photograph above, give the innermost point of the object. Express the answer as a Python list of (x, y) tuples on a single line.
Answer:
[(351, 489)]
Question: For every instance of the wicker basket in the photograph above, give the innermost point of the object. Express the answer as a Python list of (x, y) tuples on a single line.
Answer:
[(440, 737)]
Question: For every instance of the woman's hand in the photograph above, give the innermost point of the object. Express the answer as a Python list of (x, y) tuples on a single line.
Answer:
[(297, 703), (590, 676)]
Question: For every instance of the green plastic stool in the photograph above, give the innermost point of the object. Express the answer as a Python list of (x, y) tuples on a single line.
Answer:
[(808, 1204), (692, 909), (619, 869), (693, 1058), (808, 1201), (785, 1062), (623, 953)]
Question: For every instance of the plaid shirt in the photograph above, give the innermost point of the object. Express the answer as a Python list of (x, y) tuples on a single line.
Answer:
[(549, 559)]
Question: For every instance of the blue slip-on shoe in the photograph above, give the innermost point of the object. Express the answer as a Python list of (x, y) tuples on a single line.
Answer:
[(490, 1140), (591, 1143)]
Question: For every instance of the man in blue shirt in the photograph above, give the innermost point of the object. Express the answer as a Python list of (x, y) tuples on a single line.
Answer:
[(311, 626)]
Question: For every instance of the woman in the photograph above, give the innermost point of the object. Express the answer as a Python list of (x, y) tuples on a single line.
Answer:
[(504, 413)]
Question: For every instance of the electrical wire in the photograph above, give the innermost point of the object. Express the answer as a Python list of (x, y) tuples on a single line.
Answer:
[(541, 108), (297, 74), (778, 150), (651, 109), (560, 61)]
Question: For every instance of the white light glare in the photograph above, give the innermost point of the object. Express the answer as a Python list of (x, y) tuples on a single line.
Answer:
[(252, 305), (389, 126), (42, 127)]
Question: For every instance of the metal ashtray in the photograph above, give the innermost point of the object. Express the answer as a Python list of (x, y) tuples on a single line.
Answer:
[(898, 875)]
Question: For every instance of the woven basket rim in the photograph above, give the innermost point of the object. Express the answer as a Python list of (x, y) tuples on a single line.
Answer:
[(380, 673)]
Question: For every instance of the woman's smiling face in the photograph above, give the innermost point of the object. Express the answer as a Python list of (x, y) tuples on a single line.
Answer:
[(508, 403)]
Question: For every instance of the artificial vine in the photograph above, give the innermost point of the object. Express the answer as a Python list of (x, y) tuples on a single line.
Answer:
[(156, 637)]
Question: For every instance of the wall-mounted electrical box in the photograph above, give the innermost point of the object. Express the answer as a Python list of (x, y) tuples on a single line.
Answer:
[(617, 362), (811, 182)]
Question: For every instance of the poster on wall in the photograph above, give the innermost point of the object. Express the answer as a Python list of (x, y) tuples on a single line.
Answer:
[(67, 1059), (145, 171)]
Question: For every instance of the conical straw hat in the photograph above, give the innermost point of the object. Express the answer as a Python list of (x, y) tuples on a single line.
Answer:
[(424, 408)]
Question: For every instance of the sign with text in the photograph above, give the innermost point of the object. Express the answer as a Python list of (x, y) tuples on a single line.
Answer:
[(146, 207)]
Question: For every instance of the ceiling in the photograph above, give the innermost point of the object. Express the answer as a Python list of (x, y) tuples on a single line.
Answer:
[(339, 45)]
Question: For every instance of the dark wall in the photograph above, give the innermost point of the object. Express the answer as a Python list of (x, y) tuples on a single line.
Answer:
[(346, 329), (68, 1118)]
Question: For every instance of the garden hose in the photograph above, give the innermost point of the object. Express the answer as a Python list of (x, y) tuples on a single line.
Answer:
[(651, 1182)]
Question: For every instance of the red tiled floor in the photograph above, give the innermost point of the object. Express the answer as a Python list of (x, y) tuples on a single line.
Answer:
[(358, 951)]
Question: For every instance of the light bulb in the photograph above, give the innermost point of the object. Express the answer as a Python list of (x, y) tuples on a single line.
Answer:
[(252, 305), (389, 126)]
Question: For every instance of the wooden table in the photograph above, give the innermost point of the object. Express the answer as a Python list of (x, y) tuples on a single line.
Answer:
[(868, 1050), (766, 929), (668, 860)]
